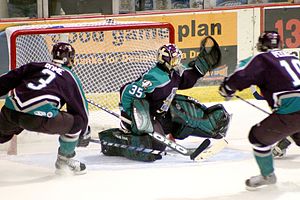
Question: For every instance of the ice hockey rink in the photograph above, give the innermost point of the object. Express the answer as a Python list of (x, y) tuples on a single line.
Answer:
[(30, 174)]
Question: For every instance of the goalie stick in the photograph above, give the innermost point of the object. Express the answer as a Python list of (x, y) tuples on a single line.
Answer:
[(161, 138), (212, 150)]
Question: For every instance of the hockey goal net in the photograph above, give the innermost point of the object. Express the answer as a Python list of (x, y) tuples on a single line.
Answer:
[(109, 54)]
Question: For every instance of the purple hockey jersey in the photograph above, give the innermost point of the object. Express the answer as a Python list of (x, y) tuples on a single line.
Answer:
[(277, 74), (42, 89)]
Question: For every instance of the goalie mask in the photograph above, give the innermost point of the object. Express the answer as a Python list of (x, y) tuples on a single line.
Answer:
[(169, 55), (268, 40), (63, 53)]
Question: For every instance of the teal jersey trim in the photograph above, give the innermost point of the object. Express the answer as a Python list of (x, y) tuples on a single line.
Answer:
[(244, 62), (43, 109), (289, 105)]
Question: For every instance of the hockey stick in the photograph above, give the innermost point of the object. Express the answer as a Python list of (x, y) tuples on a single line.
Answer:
[(244, 100), (212, 150), (161, 138)]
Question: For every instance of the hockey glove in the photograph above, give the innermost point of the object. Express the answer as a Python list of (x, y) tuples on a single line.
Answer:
[(209, 56), (200, 65), (84, 139), (226, 91)]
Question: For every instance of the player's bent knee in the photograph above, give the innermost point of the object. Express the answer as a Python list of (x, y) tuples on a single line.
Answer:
[(5, 138), (254, 140), (78, 125)]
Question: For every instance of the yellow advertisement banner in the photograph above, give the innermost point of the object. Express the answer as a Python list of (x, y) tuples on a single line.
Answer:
[(190, 28)]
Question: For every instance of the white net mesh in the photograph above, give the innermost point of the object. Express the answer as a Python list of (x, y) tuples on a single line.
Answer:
[(108, 53)]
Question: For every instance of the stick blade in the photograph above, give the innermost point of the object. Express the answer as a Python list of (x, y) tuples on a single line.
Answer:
[(200, 149), (212, 150)]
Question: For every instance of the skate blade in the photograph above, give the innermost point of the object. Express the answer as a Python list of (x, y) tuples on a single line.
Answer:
[(269, 186), (67, 172)]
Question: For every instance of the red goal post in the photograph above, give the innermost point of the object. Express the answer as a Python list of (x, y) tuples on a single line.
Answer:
[(109, 53)]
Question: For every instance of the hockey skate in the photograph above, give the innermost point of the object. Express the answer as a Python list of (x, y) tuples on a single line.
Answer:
[(258, 181), (66, 165), (279, 150)]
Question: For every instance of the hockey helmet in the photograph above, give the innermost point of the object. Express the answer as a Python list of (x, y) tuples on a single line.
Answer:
[(169, 55), (268, 40), (63, 53)]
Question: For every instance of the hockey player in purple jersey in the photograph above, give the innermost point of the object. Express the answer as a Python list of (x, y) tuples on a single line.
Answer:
[(279, 150), (151, 103), (36, 94), (277, 75)]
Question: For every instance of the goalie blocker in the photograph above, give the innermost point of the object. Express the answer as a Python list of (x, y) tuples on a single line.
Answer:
[(193, 118)]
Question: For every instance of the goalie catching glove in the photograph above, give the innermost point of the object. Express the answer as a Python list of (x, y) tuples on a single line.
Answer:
[(209, 56)]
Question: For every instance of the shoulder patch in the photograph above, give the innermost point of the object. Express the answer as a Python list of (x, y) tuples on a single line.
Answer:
[(146, 84)]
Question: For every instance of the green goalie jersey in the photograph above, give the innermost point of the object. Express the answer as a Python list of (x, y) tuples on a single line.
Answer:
[(158, 86)]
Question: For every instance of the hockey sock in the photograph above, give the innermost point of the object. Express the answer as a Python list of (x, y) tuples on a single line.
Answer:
[(265, 163), (67, 145)]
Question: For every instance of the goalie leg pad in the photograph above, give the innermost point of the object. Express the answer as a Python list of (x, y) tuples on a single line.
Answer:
[(141, 142), (197, 120), (111, 140), (114, 142), (219, 118), (185, 131), (141, 120)]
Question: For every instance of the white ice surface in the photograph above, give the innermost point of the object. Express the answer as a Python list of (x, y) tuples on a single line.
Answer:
[(30, 174)]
